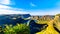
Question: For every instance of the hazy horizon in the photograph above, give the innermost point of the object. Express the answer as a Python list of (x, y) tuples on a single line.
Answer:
[(33, 7)]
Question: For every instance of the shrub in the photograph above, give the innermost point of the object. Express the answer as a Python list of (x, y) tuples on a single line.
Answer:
[(17, 29)]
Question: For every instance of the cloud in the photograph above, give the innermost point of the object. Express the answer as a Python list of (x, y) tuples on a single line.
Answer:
[(6, 2), (4, 9), (32, 4), (51, 11), (10, 10), (44, 12)]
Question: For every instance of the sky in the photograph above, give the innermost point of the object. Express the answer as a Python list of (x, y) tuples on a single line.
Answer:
[(33, 7)]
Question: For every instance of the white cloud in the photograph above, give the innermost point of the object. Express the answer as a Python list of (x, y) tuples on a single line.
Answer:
[(9, 10), (44, 12), (32, 4), (6, 2), (52, 11)]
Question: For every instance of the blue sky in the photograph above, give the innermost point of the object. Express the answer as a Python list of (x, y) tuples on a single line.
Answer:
[(33, 7), (35, 4)]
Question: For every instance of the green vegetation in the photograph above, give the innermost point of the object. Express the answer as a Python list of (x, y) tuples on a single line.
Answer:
[(50, 28), (17, 29), (43, 20), (57, 14), (24, 28)]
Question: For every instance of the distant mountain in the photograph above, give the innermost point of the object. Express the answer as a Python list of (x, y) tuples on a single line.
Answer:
[(13, 18)]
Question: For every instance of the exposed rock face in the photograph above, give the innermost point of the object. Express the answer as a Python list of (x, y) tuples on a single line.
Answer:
[(57, 22), (46, 17), (53, 25), (35, 17), (13, 18)]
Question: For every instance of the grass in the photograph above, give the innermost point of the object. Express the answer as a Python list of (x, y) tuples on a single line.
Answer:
[(50, 28)]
